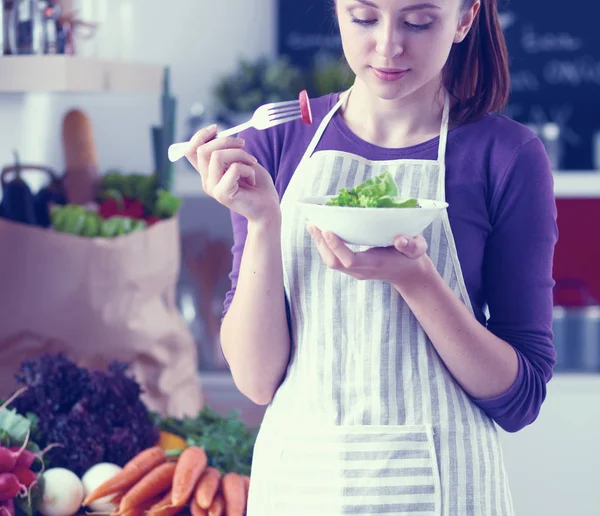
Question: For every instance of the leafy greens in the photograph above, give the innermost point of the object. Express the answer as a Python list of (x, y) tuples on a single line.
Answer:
[(378, 192)]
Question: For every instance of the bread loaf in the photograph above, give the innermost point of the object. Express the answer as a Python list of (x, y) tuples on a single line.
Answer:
[(82, 175)]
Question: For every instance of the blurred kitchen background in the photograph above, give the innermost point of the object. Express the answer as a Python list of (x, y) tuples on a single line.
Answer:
[(118, 60)]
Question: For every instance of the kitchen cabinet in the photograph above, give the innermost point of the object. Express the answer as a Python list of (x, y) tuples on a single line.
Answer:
[(73, 74)]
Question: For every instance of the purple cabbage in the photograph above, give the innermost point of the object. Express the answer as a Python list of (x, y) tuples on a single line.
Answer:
[(97, 415)]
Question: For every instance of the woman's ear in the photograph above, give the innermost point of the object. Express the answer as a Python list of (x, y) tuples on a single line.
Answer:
[(466, 22)]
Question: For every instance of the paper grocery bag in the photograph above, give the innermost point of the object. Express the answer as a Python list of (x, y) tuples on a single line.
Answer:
[(99, 300)]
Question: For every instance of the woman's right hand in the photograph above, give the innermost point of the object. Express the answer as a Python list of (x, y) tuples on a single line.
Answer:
[(232, 176)]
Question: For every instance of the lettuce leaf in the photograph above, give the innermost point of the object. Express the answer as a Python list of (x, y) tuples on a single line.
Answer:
[(378, 192)]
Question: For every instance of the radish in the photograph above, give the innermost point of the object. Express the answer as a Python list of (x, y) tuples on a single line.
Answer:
[(9, 486), (305, 108), (9, 457), (7, 508), (26, 476), (63, 493), (26, 458)]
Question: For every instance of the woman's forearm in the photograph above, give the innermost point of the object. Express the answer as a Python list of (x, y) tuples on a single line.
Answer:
[(484, 365), (254, 334)]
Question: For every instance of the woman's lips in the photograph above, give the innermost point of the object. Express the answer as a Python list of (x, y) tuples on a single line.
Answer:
[(389, 74)]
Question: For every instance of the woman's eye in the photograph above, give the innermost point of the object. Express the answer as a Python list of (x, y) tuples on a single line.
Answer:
[(415, 26), (364, 23)]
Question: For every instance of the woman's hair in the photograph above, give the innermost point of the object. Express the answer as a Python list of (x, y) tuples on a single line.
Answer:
[(476, 73)]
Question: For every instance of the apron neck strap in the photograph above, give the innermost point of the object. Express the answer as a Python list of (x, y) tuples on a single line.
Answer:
[(444, 130), (321, 129), (342, 101)]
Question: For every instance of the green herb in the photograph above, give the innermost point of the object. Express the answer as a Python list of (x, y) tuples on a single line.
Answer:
[(377, 192), (166, 204), (120, 186), (118, 225), (228, 442)]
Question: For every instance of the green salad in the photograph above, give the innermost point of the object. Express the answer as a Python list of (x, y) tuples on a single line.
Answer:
[(377, 192)]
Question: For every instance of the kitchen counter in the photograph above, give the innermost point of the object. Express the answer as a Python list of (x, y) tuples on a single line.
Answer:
[(554, 464)]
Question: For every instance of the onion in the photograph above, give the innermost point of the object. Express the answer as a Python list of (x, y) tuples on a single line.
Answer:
[(63, 493), (96, 476)]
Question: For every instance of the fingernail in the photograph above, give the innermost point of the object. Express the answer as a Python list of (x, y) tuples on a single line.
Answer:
[(240, 141), (402, 242), (327, 236), (254, 159), (211, 128)]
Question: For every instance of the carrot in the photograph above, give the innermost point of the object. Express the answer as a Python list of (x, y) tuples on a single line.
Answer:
[(154, 483), (117, 498), (146, 504), (132, 472), (196, 510), (163, 507), (234, 493), (208, 486), (190, 466), (134, 511), (246, 480), (217, 507)]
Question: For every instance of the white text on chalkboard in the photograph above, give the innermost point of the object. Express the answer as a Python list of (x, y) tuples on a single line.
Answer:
[(534, 43)]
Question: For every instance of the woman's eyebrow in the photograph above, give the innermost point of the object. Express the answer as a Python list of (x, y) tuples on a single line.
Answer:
[(415, 7)]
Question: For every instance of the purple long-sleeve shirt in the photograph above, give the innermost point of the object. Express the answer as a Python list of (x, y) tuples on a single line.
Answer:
[(502, 211)]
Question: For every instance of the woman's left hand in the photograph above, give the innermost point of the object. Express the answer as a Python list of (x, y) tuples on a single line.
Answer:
[(406, 260)]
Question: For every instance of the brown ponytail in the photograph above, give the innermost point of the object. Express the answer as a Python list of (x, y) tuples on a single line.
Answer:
[(477, 73)]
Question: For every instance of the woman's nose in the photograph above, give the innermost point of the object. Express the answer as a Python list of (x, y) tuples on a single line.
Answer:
[(389, 41)]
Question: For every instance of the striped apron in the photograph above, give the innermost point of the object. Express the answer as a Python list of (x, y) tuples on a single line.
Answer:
[(368, 420)]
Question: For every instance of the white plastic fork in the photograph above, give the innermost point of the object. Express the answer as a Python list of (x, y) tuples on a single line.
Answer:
[(267, 115)]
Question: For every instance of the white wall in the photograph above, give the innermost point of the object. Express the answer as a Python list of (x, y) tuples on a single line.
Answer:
[(198, 39)]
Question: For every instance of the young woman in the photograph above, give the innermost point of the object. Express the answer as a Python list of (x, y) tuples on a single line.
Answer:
[(386, 371)]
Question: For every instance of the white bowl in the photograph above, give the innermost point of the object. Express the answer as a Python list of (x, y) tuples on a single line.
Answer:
[(377, 227)]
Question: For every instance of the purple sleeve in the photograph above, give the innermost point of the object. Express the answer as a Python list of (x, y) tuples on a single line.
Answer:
[(517, 274), (259, 145)]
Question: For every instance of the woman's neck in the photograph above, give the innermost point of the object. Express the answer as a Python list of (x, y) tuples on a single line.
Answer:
[(395, 123)]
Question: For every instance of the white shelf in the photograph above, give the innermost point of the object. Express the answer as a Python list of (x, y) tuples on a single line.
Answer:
[(65, 73), (577, 184), (566, 184)]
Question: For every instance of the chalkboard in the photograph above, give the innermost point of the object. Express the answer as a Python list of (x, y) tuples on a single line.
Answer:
[(555, 70), (554, 49), (305, 28)]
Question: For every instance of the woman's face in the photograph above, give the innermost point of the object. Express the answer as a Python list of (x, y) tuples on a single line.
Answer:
[(395, 47)]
